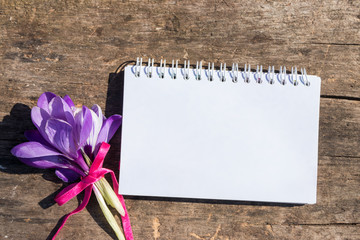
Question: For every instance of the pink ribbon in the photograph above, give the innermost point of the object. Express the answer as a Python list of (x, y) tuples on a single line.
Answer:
[(96, 172)]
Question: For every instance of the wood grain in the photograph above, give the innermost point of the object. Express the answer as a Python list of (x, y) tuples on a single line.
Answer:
[(71, 47)]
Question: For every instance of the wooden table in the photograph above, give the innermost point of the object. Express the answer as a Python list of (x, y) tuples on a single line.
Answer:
[(72, 47)]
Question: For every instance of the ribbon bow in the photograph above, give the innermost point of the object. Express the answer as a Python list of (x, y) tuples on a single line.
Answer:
[(96, 172)]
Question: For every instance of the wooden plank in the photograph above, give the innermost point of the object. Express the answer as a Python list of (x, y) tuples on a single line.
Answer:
[(82, 42), (338, 198), (22, 208), (71, 47), (339, 128), (338, 135)]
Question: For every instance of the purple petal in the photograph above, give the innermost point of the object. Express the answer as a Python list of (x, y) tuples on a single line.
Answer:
[(58, 108), (68, 100), (35, 136), (45, 162), (60, 136), (67, 175), (44, 99), (81, 162), (97, 109), (33, 150), (88, 151), (108, 130), (83, 126), (97, 123), (39, 117)]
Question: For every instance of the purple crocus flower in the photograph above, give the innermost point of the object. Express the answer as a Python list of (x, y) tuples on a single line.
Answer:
[(63, 132)]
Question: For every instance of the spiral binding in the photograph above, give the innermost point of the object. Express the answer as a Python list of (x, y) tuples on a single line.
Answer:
[(235, 73)]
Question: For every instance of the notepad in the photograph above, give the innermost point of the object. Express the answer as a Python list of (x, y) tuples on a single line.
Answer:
[(228, 134)]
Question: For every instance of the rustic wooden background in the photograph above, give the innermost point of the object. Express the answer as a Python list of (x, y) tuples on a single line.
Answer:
[(71, 47)]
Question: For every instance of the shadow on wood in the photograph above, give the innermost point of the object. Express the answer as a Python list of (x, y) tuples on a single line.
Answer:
[(12, 130)]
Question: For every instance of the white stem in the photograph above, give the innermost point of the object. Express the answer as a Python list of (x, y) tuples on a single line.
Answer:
[(108, 215), (110, 197)]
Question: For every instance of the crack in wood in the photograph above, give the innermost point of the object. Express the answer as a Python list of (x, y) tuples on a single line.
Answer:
[(324, 224), (335, 44), (339, 156), (341, 97)]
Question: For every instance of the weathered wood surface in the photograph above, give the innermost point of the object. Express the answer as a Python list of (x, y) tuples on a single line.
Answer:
[(70, 47)]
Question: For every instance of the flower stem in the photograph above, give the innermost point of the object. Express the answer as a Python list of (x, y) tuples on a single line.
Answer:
[(108, 215), (106, 190), (109, 195)]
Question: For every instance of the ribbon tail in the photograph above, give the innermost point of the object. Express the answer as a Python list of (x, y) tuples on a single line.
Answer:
[(124, 219), (82, 205)]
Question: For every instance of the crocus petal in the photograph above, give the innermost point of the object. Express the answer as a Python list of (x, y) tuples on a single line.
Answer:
[(33, 150), (109, 128), (97, 122), (39, 117), (58, 108), (69, 102), (35, 136), (67, 175), (44, 99), (97, 109), (60, 136), (81, 162), (45, 162), (83, 126)]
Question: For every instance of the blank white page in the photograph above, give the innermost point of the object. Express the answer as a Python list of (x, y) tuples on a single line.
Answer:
[(219, 140)]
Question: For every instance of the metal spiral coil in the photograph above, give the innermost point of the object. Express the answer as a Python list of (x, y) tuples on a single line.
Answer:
[(235, 74)]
